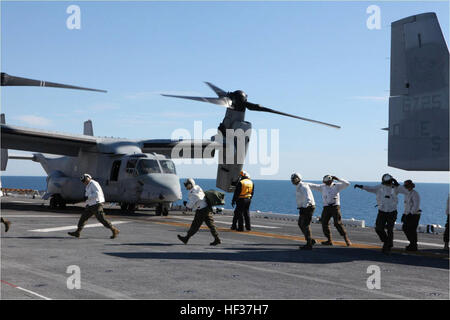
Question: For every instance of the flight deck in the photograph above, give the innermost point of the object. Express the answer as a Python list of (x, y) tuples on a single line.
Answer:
[(147, 261)]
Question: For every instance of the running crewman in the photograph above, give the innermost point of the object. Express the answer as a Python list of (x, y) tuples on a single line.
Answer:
[(94, 205), (203, 213), (6, 223), (306, 206)]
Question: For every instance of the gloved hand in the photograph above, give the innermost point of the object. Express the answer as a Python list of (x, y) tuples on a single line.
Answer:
[(335, 178), (403, 218), (233, 203), (395, 183), (358, 186), (184, 203)]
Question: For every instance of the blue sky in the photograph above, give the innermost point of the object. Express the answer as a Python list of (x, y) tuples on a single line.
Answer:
[(313, 59)]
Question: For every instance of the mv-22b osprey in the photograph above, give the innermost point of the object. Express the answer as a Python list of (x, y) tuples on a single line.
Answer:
[(131, 172)]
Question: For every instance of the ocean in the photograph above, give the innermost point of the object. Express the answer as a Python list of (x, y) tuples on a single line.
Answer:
[(278, 196)]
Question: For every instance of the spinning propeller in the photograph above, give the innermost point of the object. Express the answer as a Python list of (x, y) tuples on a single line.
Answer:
[(237, 100), (7, 80)]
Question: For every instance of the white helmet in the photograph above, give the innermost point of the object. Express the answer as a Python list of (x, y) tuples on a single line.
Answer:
[(85, 176), (296, 176), (189, 181), (327, 178), (386, 178), (244, 174)]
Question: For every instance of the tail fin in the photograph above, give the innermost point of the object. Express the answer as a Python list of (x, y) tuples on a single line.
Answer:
[(4, 152), (419, 101), (88, 130)]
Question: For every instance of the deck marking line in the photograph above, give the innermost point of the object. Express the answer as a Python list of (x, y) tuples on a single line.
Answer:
[(229, 223), (297, 238), (421, 243), (93, 225), (26, 290)]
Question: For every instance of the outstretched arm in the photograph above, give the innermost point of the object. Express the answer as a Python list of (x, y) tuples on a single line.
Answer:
[(373, 189), (313, 186)]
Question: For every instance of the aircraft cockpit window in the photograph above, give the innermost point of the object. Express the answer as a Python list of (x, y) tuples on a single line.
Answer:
[(146, 166), (168, 166), (131, 165)]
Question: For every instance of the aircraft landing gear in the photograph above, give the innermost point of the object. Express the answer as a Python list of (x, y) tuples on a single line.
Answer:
[(162, 209), (128, 207), (56, 201)]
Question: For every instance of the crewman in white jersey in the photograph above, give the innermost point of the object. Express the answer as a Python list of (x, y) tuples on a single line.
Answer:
[(411, 216), (306, 206), (94, 205), (332, 206), (387, 199)]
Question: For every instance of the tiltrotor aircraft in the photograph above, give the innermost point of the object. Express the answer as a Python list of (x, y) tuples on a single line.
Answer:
[(131, 172)]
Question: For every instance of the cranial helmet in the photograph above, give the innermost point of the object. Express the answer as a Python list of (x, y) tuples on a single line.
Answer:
[(296, 176), (189, 181), (327, 178), (386, 178), (409, 183), (244, 174), (84, 177)]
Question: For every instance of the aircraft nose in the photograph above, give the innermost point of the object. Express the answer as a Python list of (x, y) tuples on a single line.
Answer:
[(162, 187)]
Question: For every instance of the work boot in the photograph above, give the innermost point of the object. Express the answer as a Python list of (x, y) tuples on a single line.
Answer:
[(233, 228), (75, 234), (347, 241), (183, 239), (240, 229), (411, 247), (7, 224), (215, 242), (446, 246), (327, 243), (386, 249), (115, 232)]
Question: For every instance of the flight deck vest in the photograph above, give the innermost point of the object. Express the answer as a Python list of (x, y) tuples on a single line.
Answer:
[(246, 189)]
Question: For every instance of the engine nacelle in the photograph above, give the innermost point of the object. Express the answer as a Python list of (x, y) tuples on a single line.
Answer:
[(235, 133)]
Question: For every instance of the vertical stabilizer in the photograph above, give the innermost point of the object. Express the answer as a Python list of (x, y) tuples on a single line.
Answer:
[(419, 95), (88, 130)]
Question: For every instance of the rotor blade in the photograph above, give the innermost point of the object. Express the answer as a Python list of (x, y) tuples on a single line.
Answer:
[(223, 101), (7, 80), (254, 107), (217, 90)]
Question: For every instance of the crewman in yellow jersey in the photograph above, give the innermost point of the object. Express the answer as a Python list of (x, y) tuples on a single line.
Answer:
[(242, 198)]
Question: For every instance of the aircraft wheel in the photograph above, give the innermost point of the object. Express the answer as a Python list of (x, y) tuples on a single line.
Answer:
[(53, 203), (131, 207), (165, 210), (56, 201), (158, 210)]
